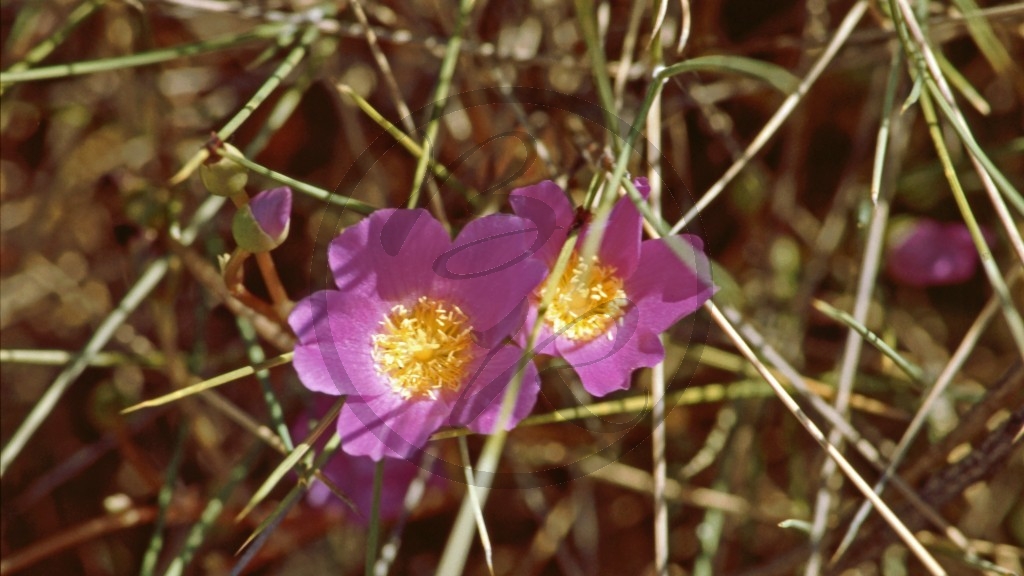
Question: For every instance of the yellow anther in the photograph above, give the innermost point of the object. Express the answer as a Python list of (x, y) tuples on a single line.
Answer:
[(423, 349), (587, 301)]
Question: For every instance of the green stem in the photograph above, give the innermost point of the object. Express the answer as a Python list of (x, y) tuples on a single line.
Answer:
[(440, 97), (156, 271), (374, 535), (915, 43), (44, 48), (269, 85), (300, 186), (267, 527), (163, 503), (256, 356), (293, 459), (212, 382), (988, 264), (474, 499), (815, 432), (842, 33), (909, 368), (211, 513), (884, 127), (586, 14), (104, 332), (62, 357), (283, 70), (606, 200), (136, 60)]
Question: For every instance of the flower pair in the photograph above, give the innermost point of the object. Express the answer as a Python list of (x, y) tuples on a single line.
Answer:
[(419, 334)]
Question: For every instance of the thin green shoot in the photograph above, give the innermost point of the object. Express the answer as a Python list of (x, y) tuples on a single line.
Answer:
[(438, 101), (374, 533)]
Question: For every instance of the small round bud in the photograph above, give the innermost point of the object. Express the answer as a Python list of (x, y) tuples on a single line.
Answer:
[(262, 224), (223, 176)]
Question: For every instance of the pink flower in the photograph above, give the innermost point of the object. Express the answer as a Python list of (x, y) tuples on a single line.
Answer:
[(930, 253), (416, 334), (607, 314)]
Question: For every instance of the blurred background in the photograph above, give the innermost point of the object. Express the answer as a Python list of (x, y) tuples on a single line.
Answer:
[(90, 210)]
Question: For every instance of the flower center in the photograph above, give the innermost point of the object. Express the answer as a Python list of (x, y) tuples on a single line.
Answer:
[(424, 348), (588, 299)]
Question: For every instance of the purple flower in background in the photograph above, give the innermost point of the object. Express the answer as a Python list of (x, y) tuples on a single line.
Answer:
[(930, 253), (263, 223), (416, 333), (354, 476), (606, 315)]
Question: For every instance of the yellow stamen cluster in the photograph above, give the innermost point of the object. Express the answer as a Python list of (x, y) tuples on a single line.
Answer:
[(588, 299), (423, 349)]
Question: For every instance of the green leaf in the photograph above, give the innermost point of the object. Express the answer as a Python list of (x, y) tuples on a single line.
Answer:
[(777, 76)]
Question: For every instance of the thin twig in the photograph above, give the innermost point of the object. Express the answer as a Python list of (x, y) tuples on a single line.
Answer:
[(658, 384), (262, 93), (400, 105), (847, 372), (474, 498)]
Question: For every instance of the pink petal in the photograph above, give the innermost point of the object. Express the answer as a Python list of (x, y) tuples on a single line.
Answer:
[(272, 210), (643, 186), (390, 252), (353, 475), (333, 352), (604, 364), (489, 273), (387, 425), (545, 342), (665, 289), (478, 405), (547, 207), (512, 325), (620, 243)]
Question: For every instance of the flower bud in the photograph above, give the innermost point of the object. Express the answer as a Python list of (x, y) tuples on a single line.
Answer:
[(262, 224), (223, 176)]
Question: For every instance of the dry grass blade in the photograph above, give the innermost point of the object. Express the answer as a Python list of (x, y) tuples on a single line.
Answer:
[(474, 499), (213, 382)]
